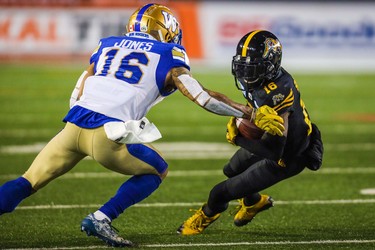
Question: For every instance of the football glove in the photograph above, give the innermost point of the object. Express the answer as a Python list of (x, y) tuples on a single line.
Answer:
[(313, 156), (266, 118), (232, 130)]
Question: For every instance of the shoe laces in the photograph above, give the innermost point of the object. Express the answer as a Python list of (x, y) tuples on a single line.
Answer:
[(107, 227), (198, 219), (113, 228), (113, 232)]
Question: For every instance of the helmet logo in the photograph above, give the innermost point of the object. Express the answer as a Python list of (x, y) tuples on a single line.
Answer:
[(271, 45), (144, 28), (170, 21)]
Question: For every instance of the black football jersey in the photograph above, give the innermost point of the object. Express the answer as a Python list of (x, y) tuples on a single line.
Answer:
[(283, 95)]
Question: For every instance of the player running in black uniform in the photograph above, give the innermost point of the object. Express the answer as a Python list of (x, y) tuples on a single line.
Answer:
[(259, 164)]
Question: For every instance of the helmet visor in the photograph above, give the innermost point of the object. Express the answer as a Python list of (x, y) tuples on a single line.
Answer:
[(248, 73)]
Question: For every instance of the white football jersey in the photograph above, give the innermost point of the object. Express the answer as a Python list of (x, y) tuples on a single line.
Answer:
[(129, 78)]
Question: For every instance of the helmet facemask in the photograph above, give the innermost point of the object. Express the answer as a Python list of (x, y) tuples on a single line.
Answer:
[(248, 75), (257, 60)]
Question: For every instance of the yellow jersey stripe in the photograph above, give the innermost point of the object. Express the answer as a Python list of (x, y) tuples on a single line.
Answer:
[(285, 104), (247, 41), (178, 53)]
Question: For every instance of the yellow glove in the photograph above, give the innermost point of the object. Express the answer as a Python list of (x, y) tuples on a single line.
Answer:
[(266, 118), (232, 130)]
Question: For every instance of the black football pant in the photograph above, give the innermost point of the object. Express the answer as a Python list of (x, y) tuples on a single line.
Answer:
[(247, 175)]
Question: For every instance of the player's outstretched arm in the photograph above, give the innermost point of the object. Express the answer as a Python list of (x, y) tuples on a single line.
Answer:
[(212, 101)]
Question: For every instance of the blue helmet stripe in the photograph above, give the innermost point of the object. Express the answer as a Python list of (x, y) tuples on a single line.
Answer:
[(137, 26)]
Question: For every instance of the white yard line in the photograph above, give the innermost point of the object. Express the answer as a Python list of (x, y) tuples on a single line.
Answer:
[(195, 245), (192, 150), (368, 191), (193, 204), (267, 243), (193, 173)]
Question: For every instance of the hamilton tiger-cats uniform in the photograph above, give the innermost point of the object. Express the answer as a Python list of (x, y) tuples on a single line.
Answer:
[(250, 172), (283, 95), (261, 163)]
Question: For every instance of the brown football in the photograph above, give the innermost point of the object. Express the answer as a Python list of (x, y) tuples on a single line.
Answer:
[(248, 129)]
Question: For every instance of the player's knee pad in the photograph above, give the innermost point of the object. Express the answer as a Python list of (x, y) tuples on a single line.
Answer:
[(148, 155)]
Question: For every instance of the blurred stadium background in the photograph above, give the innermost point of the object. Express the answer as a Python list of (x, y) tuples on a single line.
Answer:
[(316, 35), (329, 46)]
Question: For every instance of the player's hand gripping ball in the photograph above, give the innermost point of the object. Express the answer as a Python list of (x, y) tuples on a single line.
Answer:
[(232, 130), (242, 127), (248, 129), (267, 119)]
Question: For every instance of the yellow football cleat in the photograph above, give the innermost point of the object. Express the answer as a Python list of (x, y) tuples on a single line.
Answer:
[(246, 213), (196, 223)]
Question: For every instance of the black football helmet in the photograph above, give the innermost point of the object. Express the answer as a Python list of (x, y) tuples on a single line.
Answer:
[(257, 59)]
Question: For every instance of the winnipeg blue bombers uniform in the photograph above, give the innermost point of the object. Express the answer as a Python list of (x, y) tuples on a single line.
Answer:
[(128, 79), (128, 75), (134, 68)]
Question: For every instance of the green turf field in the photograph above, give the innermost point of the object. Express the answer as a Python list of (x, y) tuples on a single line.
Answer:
[(315, 210)]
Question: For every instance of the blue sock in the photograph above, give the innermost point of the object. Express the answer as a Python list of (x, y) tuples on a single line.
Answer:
[(12, 193), (131, 192)]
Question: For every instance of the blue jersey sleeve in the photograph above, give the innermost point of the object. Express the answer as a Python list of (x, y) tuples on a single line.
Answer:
[(173, 57), (95, 54)]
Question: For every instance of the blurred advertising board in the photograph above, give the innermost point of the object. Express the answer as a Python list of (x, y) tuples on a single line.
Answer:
[(57, 31), (315, 35)]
